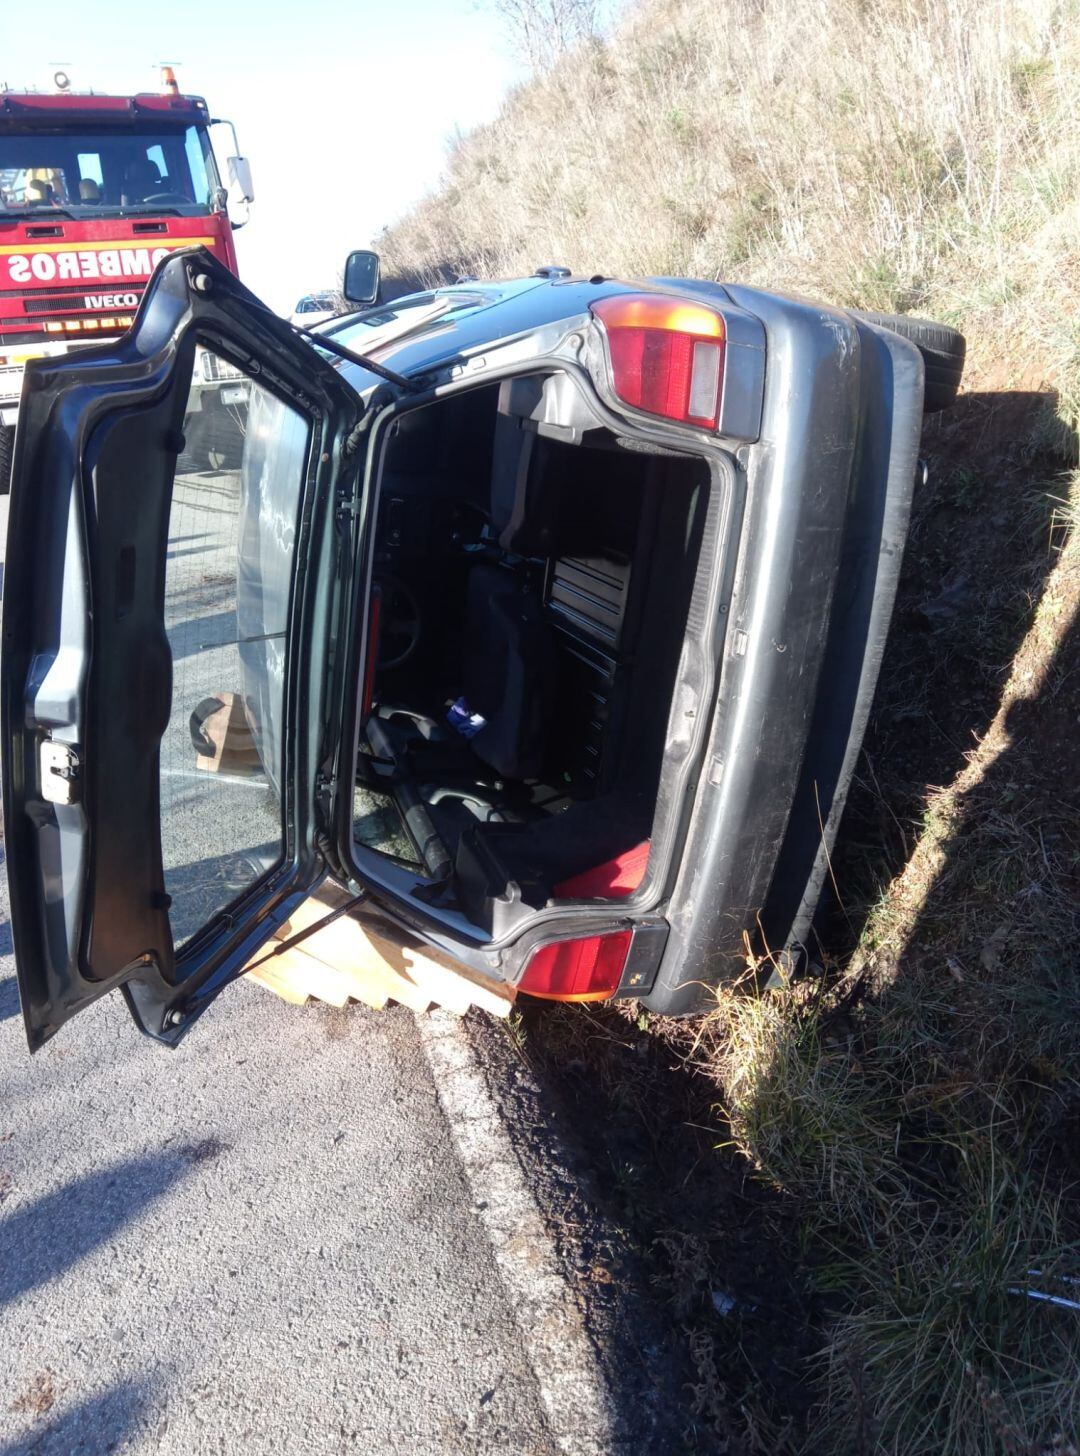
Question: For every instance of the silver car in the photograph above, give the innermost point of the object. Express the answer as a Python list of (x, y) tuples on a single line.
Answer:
[(543, 615)]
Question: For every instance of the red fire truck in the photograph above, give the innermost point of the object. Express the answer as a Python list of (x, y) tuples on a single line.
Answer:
[(94, 191)]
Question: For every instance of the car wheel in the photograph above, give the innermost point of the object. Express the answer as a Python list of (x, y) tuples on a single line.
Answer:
[(942, 349), (7, 446)]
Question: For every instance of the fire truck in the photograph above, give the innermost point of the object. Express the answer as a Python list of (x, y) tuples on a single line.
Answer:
[(94, 191)]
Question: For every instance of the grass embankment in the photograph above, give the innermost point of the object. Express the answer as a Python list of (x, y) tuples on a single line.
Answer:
[(909, 1117)]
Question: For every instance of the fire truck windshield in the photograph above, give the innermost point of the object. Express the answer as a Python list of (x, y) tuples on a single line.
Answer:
[(107, 172)]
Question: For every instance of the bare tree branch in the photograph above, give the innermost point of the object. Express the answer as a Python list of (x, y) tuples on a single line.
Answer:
[(542, 31)]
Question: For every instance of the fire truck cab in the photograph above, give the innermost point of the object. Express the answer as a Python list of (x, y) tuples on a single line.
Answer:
[(94, 191)]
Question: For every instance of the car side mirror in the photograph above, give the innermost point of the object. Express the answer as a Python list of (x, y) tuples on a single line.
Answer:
[(241, 188), (361, 281)]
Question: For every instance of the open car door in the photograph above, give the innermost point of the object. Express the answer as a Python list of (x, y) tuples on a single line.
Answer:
[(171, 568)]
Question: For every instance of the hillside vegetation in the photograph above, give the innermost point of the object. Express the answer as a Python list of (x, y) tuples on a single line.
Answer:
[(908, 1115), (907, 155)]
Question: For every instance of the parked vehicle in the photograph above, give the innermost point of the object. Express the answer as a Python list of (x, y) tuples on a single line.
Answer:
[(94, 191), (555, 607), (314, 308)]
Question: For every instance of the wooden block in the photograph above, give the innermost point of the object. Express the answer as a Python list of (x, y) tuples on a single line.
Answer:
[(443, 987), (227, 730), (295, 977), (451, 983), (346, 946), (312, 976), (391, 986), (281, 985), (412, 972), (367, 971)]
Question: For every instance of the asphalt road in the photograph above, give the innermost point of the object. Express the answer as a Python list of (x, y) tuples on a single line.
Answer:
[(262, 1241)]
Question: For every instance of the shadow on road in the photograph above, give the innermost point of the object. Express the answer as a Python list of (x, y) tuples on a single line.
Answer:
[(45, 1238), (202, 633), (9, 987), (99, 1423)]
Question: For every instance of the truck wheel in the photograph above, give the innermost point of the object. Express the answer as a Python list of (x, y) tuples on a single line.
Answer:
[(7, 445), (942, 349)]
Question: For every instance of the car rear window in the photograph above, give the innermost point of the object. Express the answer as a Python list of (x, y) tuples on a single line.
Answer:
[(229, 569)]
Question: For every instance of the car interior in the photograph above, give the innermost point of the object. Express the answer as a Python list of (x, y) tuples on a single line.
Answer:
[(533, 581)]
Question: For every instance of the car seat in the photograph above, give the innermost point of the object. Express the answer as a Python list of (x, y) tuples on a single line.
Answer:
[(509, 670), (523, 501), (510, 656), (38, 194)]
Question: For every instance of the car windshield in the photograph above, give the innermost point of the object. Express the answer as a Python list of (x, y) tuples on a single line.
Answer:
[(315, 303), (105, 173)]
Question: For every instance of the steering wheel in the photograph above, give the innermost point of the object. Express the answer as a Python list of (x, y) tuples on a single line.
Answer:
[(400, 622), (175, 198)]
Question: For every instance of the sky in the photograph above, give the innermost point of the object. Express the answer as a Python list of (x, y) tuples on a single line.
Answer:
[(344, 107)]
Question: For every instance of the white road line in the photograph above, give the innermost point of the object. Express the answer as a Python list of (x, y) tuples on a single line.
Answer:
[(572, 1387)]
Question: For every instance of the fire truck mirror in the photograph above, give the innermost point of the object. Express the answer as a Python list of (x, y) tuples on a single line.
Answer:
[(240, 184), (361, 281)]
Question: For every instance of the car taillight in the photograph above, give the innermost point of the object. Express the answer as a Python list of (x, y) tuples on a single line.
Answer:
[(667, 355), (588, 969)]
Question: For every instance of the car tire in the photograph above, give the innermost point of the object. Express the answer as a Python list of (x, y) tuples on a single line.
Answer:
[(942, 349), (7, 447)]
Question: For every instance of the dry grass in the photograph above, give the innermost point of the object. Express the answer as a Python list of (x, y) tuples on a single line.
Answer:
[(926, 1127), (915, 1112), (905, 156)]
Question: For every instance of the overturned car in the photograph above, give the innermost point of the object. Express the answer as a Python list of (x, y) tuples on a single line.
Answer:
[(549, 613)]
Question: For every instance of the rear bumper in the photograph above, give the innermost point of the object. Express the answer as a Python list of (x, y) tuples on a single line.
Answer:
[(828, 492)]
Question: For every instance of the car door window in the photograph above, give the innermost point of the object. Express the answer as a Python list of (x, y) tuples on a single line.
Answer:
[(231, 545)]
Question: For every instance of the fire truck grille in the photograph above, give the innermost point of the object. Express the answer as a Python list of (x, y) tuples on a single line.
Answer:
[(68, 290), (61, 304), (52, 305)]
